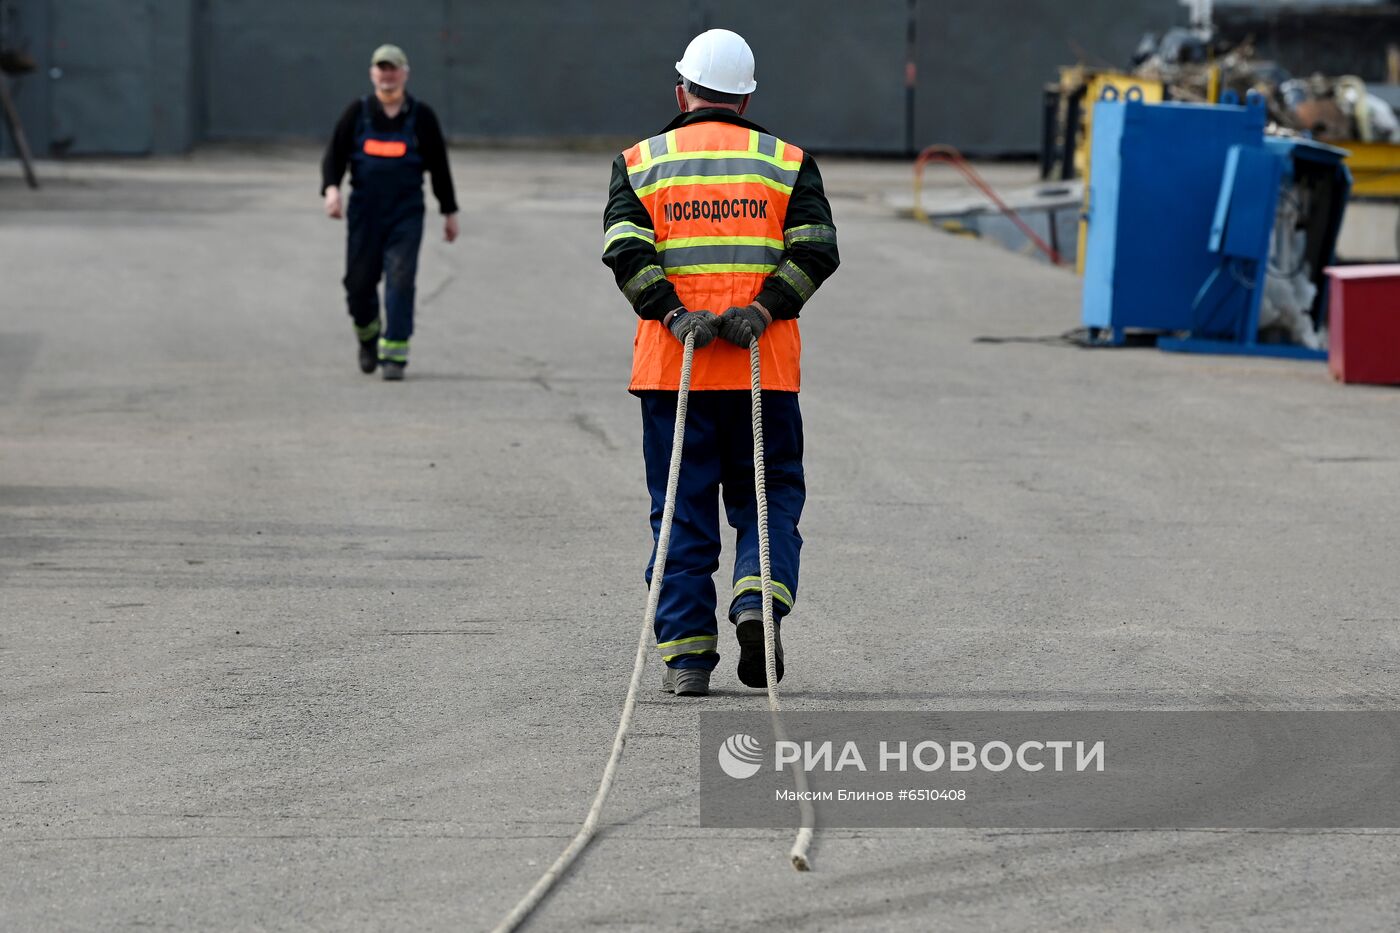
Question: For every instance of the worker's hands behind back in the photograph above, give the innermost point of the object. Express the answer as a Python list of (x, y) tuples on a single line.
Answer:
[(702, 324), (333, 209), (741, 326)]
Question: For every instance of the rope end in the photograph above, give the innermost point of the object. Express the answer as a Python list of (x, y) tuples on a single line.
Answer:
[(798, 852)]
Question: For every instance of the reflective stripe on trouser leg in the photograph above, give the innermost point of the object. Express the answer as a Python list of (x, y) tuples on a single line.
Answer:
[(787, 492), (685, 611), (698, 644), (394, 351), (781, 592), (368, 332)]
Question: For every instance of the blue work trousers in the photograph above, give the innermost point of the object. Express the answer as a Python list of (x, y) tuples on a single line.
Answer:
[(384, 236), (717, 463)]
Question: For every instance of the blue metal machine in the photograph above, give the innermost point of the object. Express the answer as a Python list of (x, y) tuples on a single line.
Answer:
[(1225, 315), (1182, 201), (1225, 310), (1155, 172)]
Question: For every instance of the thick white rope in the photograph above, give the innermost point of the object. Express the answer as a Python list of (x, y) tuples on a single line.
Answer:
[(589, 829), (807, 813), (799, 852)]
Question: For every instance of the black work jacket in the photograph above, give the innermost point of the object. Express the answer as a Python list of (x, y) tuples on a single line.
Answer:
[(431, 145)]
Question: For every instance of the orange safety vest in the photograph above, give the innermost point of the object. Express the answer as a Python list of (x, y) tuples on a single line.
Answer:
[(718, 195)]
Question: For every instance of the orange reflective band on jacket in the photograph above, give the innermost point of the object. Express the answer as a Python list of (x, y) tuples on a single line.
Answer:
[(717, 195), (386, 148)]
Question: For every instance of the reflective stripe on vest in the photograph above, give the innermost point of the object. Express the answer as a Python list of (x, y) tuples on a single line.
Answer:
[(705, 254), (386, 148), (717, 195)]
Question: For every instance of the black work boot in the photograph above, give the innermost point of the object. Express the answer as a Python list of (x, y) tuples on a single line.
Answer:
[(686, 681), (392, 371), (369, 356), (753, 672)]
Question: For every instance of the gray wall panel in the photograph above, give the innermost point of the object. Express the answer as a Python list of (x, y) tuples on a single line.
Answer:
[(173, 79), (24, 25), (830, 72), (981, 66), (155, 75), (124, 78), (546, 68), (1333, 42), (278, 69), (101, 99)]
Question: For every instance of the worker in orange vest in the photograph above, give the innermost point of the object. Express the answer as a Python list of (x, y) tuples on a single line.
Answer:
[(716, 228)]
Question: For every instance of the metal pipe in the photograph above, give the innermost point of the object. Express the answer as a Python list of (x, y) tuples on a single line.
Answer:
[(950, 156)]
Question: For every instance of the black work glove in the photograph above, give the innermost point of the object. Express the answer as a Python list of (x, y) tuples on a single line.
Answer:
[(740, 326), (702, 324)]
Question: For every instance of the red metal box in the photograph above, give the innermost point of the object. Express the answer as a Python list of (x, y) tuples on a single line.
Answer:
[(1363, 318)]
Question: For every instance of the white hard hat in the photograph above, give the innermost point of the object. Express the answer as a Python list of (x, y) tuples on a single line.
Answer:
[(719, 60)]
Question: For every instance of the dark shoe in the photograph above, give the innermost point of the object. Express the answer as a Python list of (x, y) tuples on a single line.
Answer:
[(752, 670), (686, 681), (392, 372), (369, 357)]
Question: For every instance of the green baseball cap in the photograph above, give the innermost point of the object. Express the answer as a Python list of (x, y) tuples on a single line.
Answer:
[(389, 53)]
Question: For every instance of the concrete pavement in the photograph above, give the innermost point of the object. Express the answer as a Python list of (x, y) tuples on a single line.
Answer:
[(281, 644)]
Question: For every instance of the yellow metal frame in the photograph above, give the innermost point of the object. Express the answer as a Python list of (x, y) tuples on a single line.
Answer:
[(1375, 168), (1151, 94)]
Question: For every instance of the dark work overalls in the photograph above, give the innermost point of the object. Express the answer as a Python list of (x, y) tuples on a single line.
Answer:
[(386, 228)]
